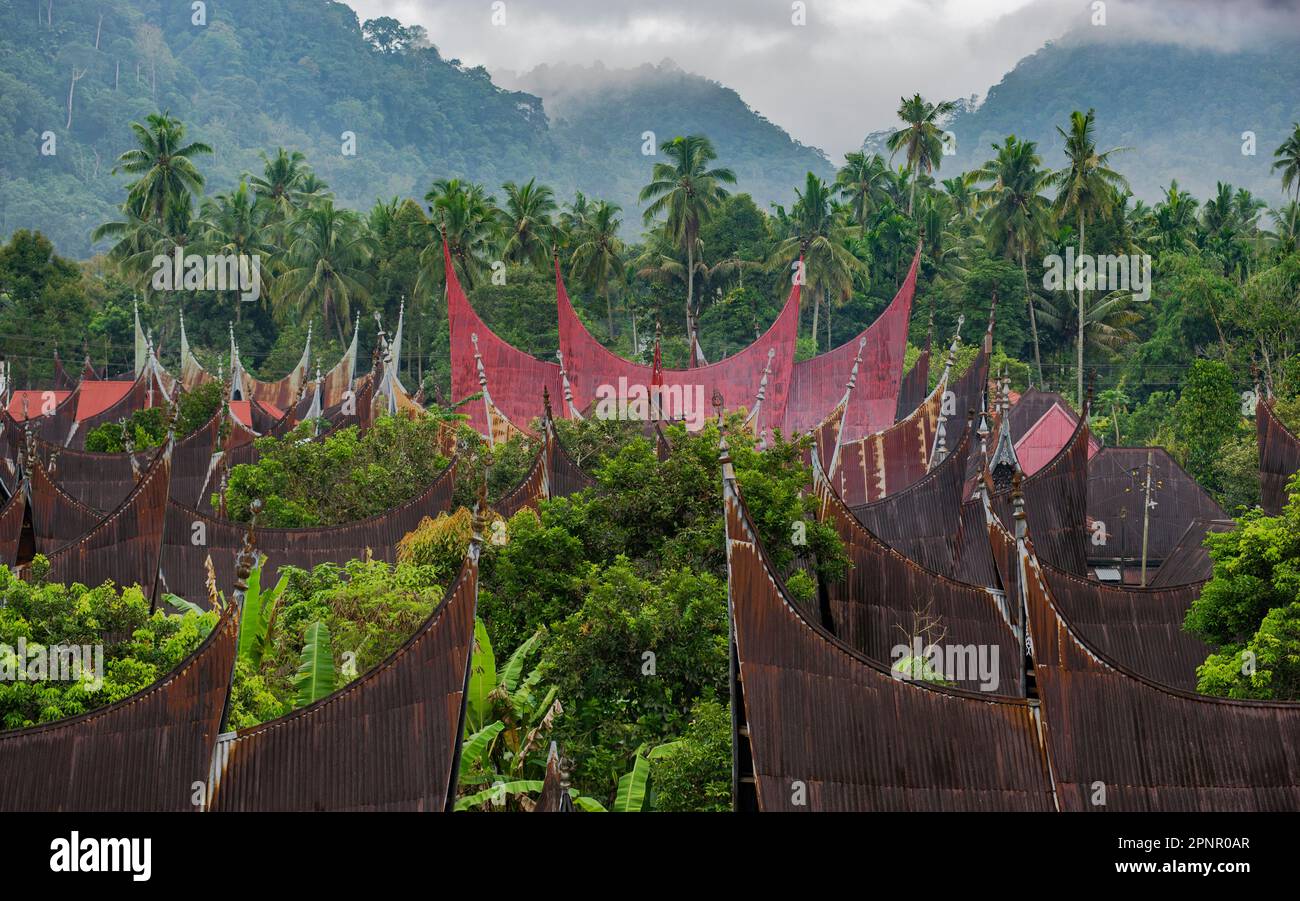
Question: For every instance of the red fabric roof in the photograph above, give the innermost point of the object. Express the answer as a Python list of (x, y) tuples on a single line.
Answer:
[(818, 384), (590, 365)]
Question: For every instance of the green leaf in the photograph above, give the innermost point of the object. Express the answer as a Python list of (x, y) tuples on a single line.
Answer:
[(632, 787), (666, 748), (482, 679), (515, 665), (500, 792), (181, 604), (591, 805), (315, 677), (474, 747)]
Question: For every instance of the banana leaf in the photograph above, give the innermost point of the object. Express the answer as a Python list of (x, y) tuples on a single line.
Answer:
[(315, 677)]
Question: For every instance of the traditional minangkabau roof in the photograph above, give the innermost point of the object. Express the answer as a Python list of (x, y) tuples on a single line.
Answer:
[(554, 472), (124, 546), (280, 394), (1044, 439), (921, 521), (62, 381), (1116, 481), (887, 598), (145, 752), (815, 384), (1279, 456), (1141, 628), (183, 556), (912, 390), (820, 726), (590, 366), (11, 527), (1118, 740), (1189, 561), (516, 376), (57, 517), (390, 740)]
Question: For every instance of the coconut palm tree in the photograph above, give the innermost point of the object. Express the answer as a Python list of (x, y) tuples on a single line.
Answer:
[(1107, 324), (920, 138), (467, 218), (820, 238), (164, 165), (280, 181), (1288, 160), (686, 192), (327, 261), (236, 224), (1086, 188), (864, 182), (526, 223), (598, 253), (1016, 214), (1173, 221)]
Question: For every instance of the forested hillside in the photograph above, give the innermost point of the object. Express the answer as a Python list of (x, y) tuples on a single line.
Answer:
[(1181, 110), (300, 73)]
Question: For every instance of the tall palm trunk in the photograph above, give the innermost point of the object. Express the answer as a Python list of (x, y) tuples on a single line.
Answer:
[(609, 311), (817, 307), (690, 283), (1033, 319), (1079, 280)]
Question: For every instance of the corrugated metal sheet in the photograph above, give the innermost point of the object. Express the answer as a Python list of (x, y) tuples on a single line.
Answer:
[(820, 726), (517, 377), (1115, 498), (1279, 457), (886, 462), (124, 545), (388, 741), (590, 365), (94, 407), (888, 598), (923, 519), (817, 384), (914, 387), (1142, 628), (190, 536), (1189, 561), (57, 517), (11, 528), (1148, 746), (143, 753)]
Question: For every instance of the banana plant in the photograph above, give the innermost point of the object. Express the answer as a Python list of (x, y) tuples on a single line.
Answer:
[(258, 615), (316, 677), (634, 786)]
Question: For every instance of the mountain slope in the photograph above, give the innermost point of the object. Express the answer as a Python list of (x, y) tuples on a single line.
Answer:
[(299, 73), (1181, 110)]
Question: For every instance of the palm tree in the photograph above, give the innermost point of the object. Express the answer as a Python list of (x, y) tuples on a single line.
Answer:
[(1017, 214), (818, 237), (164, 164), (526, 223), (920, 138), (1284, 222), (686, 192), (328, 260), (1086, 188), (280, 180), (864, 182), (1288, 160), (1172, 221), (964, 199), (236, 224), (1106, 324), (598, 253), (467, 218)]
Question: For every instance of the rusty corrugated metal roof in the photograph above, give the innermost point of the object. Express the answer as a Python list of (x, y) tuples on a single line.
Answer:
[(387, 741), (1189, 561), (1279, 457)]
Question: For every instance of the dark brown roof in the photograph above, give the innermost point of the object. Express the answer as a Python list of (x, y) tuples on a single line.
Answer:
[(145, 752), (183, 553), (1279, 457), (820, 726), (1146, 745), (1189, 561), (11, 527), (887, 598), (387, 741), (886, 462), (1115, 499), (914, 387)]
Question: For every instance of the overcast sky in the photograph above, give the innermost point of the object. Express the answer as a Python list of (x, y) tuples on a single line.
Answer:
[(830, 81)]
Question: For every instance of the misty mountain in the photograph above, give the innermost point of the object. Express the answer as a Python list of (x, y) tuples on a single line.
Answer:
[(1182, 110), (259, 74)]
